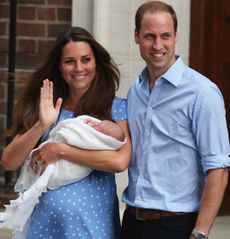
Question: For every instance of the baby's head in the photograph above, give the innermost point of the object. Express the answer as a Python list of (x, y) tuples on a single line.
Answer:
[(109, 128), (112, 129)]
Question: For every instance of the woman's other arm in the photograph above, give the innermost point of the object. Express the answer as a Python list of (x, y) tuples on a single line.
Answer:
[(104, 160)]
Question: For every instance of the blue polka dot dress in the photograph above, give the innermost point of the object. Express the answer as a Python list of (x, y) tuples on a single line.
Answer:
[(87, 209)]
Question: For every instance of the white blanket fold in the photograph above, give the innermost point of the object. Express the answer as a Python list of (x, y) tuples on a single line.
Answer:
[(30, 186)]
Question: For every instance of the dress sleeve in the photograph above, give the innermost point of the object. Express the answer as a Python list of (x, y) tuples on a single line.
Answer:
[(119, 109)]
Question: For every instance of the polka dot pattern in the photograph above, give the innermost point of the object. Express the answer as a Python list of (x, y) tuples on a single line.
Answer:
[(87, 209)]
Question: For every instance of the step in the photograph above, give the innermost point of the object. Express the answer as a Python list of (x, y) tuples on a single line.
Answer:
[(6, 193)]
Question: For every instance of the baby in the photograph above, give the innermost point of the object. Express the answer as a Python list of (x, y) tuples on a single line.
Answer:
[(83, 132)]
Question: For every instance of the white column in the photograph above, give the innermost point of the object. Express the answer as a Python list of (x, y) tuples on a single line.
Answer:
[(82, 14), (101, 26)]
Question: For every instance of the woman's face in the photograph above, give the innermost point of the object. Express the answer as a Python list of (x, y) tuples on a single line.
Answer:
[(78, 66)]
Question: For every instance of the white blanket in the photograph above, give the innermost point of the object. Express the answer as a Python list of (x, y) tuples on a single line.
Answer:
[(62, 172)]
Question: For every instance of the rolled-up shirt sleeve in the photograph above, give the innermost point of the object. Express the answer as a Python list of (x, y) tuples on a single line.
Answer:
[(210, 129)]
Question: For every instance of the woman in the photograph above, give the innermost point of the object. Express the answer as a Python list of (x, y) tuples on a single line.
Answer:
[(82, 80)]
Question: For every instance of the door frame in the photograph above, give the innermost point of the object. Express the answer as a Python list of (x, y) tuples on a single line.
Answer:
[(204, 36)]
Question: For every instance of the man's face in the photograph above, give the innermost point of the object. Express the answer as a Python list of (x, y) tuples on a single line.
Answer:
[(157, 40)]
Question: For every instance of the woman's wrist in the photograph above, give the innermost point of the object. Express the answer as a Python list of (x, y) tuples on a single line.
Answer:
[(62, 150), (41, 128)]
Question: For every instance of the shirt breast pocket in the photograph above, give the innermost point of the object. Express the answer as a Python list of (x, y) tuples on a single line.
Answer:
[(174, 125), (180, 129)]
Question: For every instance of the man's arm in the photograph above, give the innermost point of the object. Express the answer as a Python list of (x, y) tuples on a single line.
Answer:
[(212, 196)]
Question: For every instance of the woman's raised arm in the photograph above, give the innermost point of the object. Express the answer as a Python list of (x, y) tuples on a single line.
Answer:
[(18, 150)]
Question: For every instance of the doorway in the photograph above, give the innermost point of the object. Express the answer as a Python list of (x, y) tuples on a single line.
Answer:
[(210, 53)]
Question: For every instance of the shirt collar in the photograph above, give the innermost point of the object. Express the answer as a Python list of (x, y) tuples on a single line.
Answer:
[(172, 75)]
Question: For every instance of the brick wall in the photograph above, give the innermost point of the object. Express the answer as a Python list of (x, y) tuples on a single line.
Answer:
[(38, 23)]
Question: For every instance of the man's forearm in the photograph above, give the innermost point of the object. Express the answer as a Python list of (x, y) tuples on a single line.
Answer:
[(212, 196)]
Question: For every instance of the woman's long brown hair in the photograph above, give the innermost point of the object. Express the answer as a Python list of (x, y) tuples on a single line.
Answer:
[(97, 101)]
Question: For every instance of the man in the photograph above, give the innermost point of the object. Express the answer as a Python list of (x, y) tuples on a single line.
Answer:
[(179, 167)]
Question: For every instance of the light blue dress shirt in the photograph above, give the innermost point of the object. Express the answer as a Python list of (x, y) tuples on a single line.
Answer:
[(178, 132)]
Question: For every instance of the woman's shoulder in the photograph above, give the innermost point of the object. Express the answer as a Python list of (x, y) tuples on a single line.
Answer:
[(119, 109), (118, 100)]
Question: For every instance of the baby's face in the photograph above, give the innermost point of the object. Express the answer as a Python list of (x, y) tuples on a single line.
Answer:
[(107, 127)]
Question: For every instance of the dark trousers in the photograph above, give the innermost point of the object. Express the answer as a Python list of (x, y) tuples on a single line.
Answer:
[(175, 227)]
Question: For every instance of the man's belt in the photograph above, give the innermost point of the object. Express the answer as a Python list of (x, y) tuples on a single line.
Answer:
[(152, 214)]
